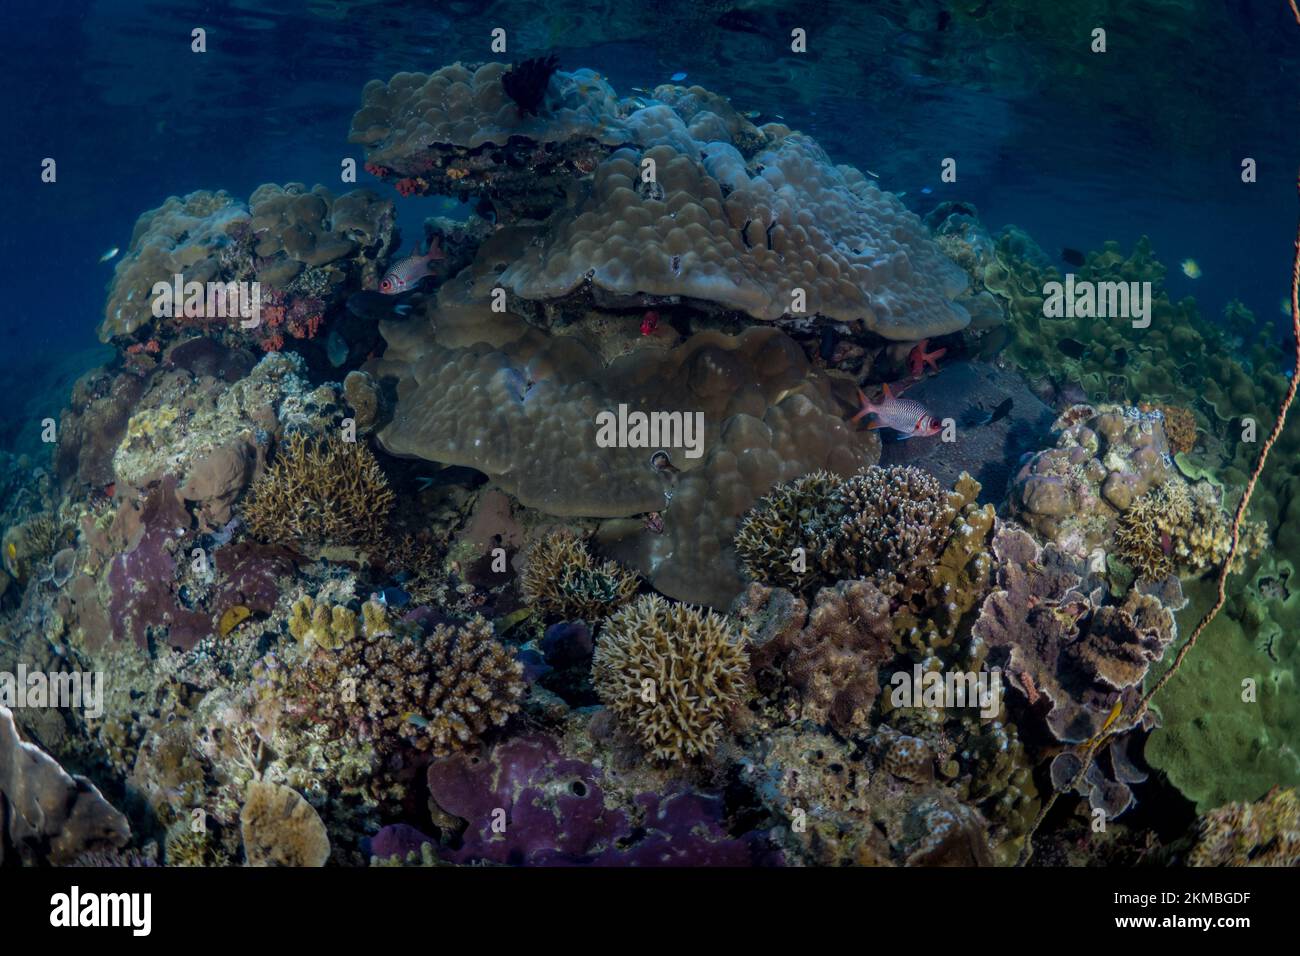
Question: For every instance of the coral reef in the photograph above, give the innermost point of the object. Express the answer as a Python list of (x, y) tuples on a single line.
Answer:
[(672, 674), (1177, 527), (829, 654), (389, 684), (558, 813)]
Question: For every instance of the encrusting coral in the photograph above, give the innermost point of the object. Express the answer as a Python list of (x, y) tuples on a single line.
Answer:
[(563, 580), (671, 674), (828, 655), (318, 492)]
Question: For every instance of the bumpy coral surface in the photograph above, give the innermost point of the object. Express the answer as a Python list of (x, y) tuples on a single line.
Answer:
[(1264, 833), (671, 673), (786, 235), (829, 654)]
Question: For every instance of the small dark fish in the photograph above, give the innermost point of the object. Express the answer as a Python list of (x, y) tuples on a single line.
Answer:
[(394, 597), (1121, 357), (1072, 347), (975, 416), (374, 306), (945, 18), (1073, 256), (1001, 412)]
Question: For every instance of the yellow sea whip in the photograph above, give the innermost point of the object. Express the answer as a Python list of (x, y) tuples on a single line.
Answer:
[(1092, 747)]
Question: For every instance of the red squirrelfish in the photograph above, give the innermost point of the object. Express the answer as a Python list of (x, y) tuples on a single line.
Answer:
[(407, 273), (905, 416)]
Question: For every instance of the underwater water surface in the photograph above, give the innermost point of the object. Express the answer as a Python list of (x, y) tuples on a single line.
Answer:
[(666, 434)]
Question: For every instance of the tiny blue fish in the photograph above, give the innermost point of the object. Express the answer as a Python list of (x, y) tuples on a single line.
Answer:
[(677, 77), (926, 190)]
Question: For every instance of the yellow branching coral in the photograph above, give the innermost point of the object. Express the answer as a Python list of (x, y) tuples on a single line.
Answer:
[(671, 674), (321, 492), (563, 580), (1177, 527)]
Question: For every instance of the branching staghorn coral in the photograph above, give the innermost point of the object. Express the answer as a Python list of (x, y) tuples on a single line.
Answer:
[(563, 580), (671, 674), (321, 492)]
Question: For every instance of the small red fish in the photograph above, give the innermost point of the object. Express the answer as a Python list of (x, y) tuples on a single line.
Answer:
[(919, 358), (650, 322), (407, 273), (905, 416)]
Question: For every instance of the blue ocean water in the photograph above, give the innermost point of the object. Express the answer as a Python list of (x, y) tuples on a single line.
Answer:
[(1147, 140)]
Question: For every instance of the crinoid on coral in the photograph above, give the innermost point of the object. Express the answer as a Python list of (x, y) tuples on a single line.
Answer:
[(671, 674), (563, 580), (526, 82), (438, 692), (829, 655), (1177, 527), (783, 537), (320, 491), (1263, 833)]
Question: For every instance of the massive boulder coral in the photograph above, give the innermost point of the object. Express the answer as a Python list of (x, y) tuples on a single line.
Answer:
[(1105, 459), (524, 410), (458, 130), (672, 674), (787, 236), (52, 817), (303, 246)]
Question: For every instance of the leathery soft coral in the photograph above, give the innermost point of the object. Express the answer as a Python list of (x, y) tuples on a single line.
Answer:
[(320, 492), (671, 674)]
